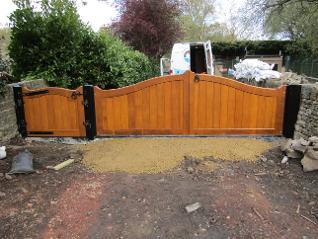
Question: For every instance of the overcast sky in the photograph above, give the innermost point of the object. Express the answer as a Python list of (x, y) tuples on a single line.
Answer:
[(97, 13)]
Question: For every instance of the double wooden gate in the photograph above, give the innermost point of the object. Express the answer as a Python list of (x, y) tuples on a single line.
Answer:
[(185, 104)]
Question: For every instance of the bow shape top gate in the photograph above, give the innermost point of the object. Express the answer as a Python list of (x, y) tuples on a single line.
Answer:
[(189, 104)]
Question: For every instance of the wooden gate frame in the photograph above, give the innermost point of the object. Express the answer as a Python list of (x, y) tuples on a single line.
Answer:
[(87, 98), (84, 98)]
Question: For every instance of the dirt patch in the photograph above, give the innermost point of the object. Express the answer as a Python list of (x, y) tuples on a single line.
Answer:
[(154, 155), (240, 199), (28, 201)]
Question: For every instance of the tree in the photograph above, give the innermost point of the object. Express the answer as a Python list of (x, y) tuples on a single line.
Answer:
[(52, 42), (197, 19), (266, 4), (150, 26), (199, 23), (4, 40), (293, 19)]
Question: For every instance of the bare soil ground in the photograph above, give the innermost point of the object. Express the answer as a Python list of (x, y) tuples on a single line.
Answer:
[(239, 199)]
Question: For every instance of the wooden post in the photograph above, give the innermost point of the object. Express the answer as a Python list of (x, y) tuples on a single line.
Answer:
[(89, 109), (292, 104), (19, 110)]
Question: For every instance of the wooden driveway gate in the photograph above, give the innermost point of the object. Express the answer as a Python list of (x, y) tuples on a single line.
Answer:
[(185, 104), (190, 104)]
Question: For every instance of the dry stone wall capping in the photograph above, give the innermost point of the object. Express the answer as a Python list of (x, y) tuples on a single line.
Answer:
[(8, 121)]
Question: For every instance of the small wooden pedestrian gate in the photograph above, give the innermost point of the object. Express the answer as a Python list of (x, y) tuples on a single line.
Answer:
[(185, 104)]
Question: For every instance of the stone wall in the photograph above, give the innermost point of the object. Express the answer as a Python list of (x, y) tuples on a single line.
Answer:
[(307, 120), (8, 121)]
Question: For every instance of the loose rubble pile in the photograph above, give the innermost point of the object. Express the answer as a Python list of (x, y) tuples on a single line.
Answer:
[(291, 78), (306, 150)]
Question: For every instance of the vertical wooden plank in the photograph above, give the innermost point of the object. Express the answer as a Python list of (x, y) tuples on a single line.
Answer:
[(202, 104), (146, 108), (274, 112), (44, 113), (153, 107), (245, 109), (224, 106), (209, 105), (108, 113), (195, 105), (38, 113), (63, 110), (57, 105), (132, 110), (138, 109), (239, 101), (51, 119), (175, 96), (187, 81), (161, 106), (216, 105), (181, 104), (261, 109), (268, 112), (28, 108), (253, 111), (72, 115), (168, 106), (124, 111), (231, 108), (116, 112)]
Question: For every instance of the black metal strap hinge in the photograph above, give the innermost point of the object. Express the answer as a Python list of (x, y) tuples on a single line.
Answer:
[(41, 132), (40, 92)]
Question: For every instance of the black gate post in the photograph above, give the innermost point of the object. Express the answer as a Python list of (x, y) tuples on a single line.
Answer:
[(89, 108), (292, 104), (19, 110)]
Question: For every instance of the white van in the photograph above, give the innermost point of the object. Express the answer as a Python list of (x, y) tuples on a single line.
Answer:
[(194, 56)]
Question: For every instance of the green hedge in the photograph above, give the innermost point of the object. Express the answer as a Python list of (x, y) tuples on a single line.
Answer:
[(234, 49), (55, 45)]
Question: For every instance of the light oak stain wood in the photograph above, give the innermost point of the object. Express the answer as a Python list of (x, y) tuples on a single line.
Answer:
[(163, 105), (56, 111), (236, 108)]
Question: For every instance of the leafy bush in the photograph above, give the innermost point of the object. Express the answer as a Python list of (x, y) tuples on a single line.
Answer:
[(126, 66), (55, 45), (234, 49)]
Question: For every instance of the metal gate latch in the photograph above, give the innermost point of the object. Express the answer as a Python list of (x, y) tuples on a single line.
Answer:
[(75, 94)]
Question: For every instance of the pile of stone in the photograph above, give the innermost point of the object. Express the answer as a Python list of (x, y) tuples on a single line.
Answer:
[(306, 150), (291, 78)]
